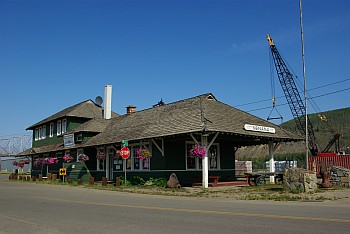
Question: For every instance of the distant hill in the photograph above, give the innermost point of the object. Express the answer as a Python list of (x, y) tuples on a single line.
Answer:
[(335, 121), (326, 125)]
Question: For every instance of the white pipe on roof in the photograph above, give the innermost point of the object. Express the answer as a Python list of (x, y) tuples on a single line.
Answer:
[(107, 113)]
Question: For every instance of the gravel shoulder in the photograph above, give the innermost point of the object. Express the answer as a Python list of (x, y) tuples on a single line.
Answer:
[(334, 195)]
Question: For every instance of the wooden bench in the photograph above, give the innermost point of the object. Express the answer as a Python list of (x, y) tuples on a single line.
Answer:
[(215, 179)]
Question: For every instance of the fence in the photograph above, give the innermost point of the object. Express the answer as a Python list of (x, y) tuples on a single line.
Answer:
[(325, 160)]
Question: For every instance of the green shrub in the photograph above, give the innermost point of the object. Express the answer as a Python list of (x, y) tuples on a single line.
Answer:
[(158, 182)]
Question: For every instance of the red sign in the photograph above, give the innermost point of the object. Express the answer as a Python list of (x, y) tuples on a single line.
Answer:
[(125, 152)]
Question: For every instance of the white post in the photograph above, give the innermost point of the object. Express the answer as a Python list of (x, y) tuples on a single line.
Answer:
[(108, 102), (272, 162), (205, 168)]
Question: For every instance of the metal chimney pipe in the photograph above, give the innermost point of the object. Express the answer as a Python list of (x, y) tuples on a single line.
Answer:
[(107, 113)]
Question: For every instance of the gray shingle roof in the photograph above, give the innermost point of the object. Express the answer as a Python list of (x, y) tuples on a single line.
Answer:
[(92, 125), (195, 114), (86, 109)]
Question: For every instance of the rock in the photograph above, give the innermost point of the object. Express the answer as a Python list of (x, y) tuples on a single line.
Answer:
[(173, 182), (300, 180), (340, 176)]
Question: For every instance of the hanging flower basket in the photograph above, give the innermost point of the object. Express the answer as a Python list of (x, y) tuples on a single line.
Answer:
[(19, 164), (49, 161), (143, 154), (39, 162), (83, 158), (198, 151), (45, 161), (68, 158), (100, 155), (117, 155)]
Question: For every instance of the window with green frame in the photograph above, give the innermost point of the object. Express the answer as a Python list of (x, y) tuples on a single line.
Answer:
[(133, 163), (195, 163)]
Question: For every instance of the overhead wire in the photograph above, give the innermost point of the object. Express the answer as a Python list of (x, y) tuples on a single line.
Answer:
[(283, 104), (265, 100)]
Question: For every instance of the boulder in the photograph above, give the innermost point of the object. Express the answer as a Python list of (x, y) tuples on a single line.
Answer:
[(173, 182), (299, 180)]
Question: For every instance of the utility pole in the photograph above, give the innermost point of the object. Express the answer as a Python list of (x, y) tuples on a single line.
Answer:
[(305, 93)]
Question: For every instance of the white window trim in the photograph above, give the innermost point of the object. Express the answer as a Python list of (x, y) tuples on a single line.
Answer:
[(79, 137), (40, 133), (198, 160), (131, 147), (64, 126), (52, 127), (79, 152), (36, 134), (43, 135), (59, 127), (98, 161)]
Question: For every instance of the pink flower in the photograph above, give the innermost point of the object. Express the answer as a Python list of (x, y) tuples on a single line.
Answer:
[(198, 151), (67, 158), (143, 154)]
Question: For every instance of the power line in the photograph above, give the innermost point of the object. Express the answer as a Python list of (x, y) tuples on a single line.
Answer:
[(326, 85), (283, 104)]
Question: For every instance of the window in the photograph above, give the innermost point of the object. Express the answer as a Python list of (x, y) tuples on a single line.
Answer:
[(195, 163), (79, 152), (136, 164), (213, 156), (79, 137), (101, 161), (40, 132), (59, 129), (43, 135), (36, 134), (60, 154), (64, 126), (51, 129)]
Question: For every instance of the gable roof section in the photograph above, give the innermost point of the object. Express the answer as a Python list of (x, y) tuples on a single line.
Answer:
[(86, 109), (191, 115), (92, 125)]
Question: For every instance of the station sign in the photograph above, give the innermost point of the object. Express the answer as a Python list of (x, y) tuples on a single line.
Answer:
[(257, 128)]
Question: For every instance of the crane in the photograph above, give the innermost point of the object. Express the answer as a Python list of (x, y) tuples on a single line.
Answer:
[(292, 94)]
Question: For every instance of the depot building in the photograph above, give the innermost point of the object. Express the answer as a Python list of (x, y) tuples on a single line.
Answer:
[(161, 140)]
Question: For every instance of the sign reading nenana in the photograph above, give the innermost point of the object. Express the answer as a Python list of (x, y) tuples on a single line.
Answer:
[(256, 128)]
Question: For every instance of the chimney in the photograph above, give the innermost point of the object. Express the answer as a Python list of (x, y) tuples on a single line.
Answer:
[(130, 109), (107, 113)]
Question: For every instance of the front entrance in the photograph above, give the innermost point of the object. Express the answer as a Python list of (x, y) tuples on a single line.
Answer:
[(110, 163)]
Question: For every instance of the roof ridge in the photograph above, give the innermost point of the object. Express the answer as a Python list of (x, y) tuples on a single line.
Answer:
[(63, 112), (206, 95)]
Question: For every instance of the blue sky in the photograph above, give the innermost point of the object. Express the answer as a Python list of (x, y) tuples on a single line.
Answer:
[(54, 54)]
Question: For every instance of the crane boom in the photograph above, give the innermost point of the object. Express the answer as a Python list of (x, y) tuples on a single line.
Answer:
[(292, 95)]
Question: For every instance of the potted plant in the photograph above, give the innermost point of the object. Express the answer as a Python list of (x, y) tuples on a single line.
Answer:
[(143, 154), (198, 151), (68, 158), (82, 157), (117, 155)]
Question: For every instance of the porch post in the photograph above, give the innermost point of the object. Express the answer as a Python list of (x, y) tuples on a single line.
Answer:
[(205, 172), (272, 161)]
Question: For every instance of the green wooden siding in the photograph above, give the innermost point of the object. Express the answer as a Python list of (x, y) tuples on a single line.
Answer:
[(173, 161), (72, 123)]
